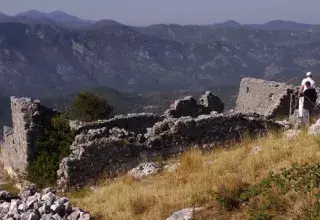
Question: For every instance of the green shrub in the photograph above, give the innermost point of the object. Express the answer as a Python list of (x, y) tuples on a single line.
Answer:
[(267, 198), (51, 148), (87, 106)]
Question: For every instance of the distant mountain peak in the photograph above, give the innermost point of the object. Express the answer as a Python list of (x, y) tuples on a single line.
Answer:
[(282, 24), (58, 17), (228, 24), (65, 15), (32, 14), (106, 23)]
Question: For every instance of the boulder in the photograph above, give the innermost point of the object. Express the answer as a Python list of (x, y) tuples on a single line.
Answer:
[(188, 106), (211, 103), (183, 107)]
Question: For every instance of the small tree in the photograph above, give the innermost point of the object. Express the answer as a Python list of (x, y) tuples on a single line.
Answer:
[(87, 106)]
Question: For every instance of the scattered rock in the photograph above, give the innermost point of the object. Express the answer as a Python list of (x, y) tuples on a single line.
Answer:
[(37, 206), (145, 169), (172, 167), (292, 133), (315, 128), (184, 214), (256, 150)]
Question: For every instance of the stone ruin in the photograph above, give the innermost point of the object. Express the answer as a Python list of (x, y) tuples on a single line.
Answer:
[(189, 107), (28, 120), (114, 151), (271, 99), (267, 98), (112, 147)]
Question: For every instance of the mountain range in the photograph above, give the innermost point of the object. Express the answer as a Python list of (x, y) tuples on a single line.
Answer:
[(53, 54)]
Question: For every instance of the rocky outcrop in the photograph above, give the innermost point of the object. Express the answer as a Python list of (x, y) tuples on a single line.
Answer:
[(267, 98), (35, 205), (188, 106)]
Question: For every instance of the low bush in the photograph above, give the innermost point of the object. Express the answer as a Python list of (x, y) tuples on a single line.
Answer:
[(51, 148)]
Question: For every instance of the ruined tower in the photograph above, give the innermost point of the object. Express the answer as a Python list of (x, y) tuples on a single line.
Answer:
[(19, 141)]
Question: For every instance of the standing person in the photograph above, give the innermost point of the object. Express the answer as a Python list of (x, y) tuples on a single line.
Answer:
[(310, 97), (302, 89)]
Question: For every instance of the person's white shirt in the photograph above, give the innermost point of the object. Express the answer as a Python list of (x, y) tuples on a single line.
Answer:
[(313, 84)]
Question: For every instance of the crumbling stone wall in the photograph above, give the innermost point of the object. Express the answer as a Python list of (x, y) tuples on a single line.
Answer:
[(136, 122), (188, 106), (17, 149), (176, 135), (267, 98), (102, 151)]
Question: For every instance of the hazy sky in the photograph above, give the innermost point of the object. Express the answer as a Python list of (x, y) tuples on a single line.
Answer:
[(142, 12)]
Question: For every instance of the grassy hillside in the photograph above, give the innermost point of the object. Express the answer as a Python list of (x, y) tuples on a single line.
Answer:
[(229, 184)]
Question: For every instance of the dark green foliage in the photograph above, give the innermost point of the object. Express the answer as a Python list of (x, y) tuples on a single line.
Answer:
[(298, 178), (230, 199), (87, 106), (50, 150), (314, 214), (266, 198)]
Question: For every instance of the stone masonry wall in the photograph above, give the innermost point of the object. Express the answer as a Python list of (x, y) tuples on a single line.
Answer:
[(101, 151), (267, 98), (137, 122), (19, 141)]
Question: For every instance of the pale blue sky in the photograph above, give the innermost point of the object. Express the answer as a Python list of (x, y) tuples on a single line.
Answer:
[(142, 12)]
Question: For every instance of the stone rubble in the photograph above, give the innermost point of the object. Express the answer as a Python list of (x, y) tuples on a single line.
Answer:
[(35, 205), (184, 214), (292, 133), (171, 167), (256, 150), (315, 128), (188, 106), (145, 169)]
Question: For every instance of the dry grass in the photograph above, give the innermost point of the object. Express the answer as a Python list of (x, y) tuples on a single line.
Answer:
[(199, 179)]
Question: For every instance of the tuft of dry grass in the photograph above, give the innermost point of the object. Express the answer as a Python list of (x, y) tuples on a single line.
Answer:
[(200, 179)]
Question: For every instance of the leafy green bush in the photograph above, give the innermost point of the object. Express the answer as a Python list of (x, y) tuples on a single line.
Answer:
[(87, 106), (51, 148)]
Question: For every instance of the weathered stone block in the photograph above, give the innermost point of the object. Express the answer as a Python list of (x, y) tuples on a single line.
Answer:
[(267, 98)]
